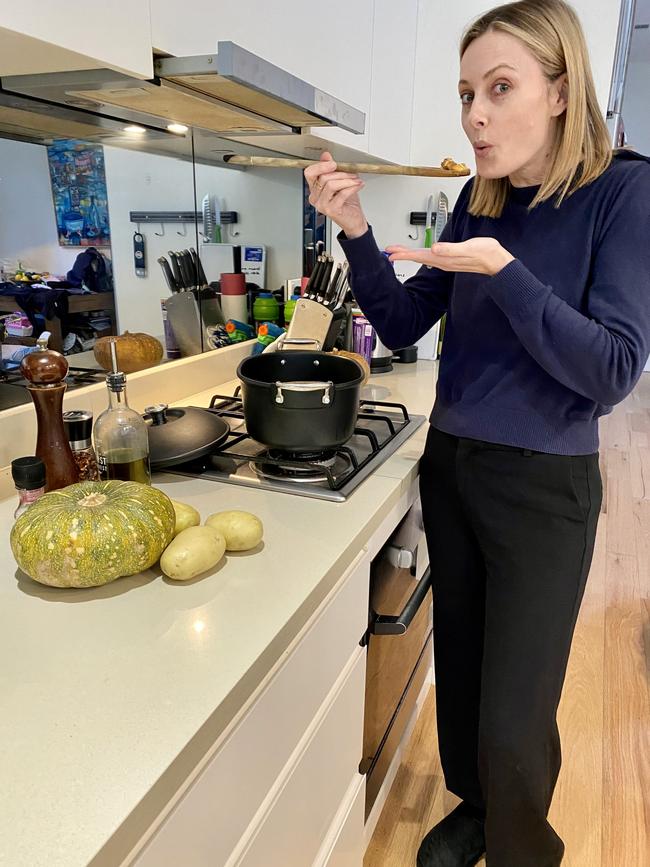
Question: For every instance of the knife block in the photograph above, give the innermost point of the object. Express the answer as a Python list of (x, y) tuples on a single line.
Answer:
[(310, 324)]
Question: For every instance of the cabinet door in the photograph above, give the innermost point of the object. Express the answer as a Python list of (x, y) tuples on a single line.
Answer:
[(393, 68), (330, 46), (212, 816), (40, 37), (305, 804)]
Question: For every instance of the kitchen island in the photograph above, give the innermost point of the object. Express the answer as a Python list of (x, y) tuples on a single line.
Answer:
[(113, 696)]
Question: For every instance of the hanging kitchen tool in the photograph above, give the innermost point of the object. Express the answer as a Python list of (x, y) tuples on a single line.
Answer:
[(300, 401), (182, 434), (453, 169), (139, 255)]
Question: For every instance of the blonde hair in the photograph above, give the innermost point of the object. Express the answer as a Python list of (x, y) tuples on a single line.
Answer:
[(581, 152)]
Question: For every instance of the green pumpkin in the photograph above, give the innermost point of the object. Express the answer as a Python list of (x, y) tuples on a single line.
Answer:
[(92, 533)]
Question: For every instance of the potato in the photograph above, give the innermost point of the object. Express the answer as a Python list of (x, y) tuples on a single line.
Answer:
[(186, 516), (241, 530), (193, 551)]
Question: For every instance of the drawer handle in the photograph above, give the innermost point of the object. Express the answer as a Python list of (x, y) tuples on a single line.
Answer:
[(391, 624)]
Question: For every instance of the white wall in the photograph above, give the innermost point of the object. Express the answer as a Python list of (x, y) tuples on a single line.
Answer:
[(436, 128), (27, 221)]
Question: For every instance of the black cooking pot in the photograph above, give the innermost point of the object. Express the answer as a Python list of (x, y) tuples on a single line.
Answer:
[(300, 401)]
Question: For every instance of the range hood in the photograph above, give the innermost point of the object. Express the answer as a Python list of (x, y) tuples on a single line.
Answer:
[(232, 92)]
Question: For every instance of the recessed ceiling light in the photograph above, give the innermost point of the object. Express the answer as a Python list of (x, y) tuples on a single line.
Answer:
[(133, 127), (179, 128)]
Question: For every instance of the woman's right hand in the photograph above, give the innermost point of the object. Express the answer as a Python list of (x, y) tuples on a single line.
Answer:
[(336, 194)]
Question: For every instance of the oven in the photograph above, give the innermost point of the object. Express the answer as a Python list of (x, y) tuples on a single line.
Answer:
[(399, 646)]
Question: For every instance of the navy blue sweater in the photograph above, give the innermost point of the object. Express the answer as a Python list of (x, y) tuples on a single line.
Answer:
[(534, 355)]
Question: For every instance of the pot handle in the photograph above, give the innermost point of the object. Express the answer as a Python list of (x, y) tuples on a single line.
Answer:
[(325, 387), (298, 341)]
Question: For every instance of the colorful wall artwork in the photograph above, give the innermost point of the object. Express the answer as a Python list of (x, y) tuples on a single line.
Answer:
[(79, 190)]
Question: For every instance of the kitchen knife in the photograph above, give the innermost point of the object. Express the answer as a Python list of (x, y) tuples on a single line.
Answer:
[(324, 283), (330, 291), (343, 287), (178, 277), (428, 230), (315, 276), (333, 289), (186, 269), (169, 277), (190, 264), (315, 289), (203, 280), (442, 215)]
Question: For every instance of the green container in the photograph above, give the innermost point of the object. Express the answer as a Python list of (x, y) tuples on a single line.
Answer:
[(289, 307), (266, 309)]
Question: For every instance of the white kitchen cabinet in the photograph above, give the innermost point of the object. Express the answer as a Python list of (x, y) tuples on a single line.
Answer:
[(304, 804), (345, 846), (57, 37), (248, 770), (392, 77), (329, 46)]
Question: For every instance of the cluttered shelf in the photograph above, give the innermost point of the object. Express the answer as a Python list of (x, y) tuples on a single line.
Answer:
[(85, 303)]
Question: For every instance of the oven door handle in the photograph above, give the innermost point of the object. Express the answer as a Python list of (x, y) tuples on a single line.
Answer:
[(391, 624)]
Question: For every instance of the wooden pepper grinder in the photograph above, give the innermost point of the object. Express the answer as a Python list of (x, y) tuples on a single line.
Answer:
[(46, 370)]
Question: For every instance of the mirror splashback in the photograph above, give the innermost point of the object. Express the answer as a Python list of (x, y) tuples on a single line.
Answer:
[(69, 181)]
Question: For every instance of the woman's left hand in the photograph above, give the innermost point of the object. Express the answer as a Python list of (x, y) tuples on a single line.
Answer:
[(478, 255)]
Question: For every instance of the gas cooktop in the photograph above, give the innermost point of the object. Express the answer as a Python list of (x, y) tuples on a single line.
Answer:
[(331, 475), (13, 386)]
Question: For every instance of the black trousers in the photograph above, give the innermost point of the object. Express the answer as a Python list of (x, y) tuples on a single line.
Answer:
[(511, 536)]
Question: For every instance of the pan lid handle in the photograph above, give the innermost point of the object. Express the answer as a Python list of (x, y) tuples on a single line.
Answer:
[(157, 413)]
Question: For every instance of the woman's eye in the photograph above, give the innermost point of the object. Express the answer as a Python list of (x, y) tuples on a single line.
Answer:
[(466, 98), (502, 88)]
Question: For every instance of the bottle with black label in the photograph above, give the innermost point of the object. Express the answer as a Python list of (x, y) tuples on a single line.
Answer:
[(121, 436)]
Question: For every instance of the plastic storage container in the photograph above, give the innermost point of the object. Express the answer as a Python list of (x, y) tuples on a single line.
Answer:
[(289, 307), (266, 309)]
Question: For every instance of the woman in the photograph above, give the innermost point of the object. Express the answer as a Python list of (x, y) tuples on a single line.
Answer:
[(544, 273)]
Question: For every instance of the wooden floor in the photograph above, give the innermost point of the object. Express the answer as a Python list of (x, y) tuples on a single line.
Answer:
[(601, 807)]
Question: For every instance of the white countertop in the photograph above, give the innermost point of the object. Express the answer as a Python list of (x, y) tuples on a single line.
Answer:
[(106, 690)]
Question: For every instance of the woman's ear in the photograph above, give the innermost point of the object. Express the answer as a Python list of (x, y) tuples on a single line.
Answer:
[(559, 95)]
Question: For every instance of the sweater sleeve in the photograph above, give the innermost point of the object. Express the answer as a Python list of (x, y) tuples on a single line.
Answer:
[(599, 353), (400, 312)]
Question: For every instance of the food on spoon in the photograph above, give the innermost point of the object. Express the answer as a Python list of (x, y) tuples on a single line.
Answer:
[(451, 166), (92, 533), (241, 530), (186, 516), (193, 551)]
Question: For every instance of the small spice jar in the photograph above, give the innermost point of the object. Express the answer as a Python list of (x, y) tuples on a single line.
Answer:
[(29, 478), (78, 427)]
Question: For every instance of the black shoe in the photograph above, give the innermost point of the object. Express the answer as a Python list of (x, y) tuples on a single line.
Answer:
[(457, 841)]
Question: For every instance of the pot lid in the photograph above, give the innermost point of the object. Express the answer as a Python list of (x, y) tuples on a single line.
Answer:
[(182, 434)]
